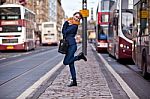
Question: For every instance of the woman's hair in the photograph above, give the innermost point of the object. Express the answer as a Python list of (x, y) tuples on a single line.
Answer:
[(79, 14)]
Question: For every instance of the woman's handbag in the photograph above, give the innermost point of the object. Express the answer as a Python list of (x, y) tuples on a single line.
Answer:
[(63, 46)]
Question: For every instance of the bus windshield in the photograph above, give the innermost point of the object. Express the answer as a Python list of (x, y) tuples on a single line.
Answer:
[(48, 25), (10, 13), (105, 18), (9, 19), (127, 24), (10, 28), (102, 36)]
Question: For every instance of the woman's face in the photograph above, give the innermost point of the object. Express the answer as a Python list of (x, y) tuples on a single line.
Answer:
[(77, 17)]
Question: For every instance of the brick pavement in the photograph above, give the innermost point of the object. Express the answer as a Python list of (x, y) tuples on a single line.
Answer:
[(91, 82)]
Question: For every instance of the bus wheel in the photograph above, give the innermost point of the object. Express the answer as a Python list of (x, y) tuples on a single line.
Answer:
[(144, 65)]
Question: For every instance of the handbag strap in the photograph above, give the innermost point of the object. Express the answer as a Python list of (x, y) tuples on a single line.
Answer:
[(64, 38)]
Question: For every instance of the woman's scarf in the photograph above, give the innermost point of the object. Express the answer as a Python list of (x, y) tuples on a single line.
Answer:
[(72, 21)]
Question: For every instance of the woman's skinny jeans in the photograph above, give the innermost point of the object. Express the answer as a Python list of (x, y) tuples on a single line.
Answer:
[(70, 58)]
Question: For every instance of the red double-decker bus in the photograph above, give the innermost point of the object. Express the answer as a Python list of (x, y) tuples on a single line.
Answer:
[(17, 25), (120, 30), (102, 31), (102, 25)]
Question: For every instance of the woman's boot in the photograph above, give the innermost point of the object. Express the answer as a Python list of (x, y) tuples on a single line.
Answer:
[(73, 83), (81, 56)]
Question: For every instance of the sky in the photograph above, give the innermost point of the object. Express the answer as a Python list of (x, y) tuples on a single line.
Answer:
[(71, 6)]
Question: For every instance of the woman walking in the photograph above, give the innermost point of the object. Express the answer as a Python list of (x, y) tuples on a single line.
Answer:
[(69, 31)]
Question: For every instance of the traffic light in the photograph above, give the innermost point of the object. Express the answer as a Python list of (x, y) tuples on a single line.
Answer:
[(2, 1)]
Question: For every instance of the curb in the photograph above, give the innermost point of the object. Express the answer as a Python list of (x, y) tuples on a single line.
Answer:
[(33, 88), (122, 83)]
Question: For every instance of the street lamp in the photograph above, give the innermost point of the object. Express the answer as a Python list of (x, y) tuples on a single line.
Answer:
[(84, 28)]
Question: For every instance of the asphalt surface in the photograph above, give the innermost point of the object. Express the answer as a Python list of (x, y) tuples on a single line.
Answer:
[(131, 74), (23, 69)]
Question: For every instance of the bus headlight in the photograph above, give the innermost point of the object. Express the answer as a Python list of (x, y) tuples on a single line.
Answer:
[(0, 28), (121, 45), (98, 44), (19, 28), (127, 47)]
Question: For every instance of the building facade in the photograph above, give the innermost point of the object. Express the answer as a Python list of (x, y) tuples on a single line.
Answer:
[(41, 9), (53, 10), (56, 14), (60, 15)]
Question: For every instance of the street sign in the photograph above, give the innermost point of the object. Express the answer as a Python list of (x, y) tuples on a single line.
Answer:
[(85, 13), (144, 14)]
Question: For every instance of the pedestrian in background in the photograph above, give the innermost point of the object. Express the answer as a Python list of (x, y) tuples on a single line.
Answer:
[(69, 31)]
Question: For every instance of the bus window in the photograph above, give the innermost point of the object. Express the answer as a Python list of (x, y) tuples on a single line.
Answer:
[(48, 25), (10, 13), (104, 18), (127, 23)]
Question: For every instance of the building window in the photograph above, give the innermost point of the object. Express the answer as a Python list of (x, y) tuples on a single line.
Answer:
[(37, 11), (37, 2)]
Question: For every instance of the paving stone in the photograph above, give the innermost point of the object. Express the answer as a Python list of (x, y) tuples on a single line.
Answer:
[(91, 82)]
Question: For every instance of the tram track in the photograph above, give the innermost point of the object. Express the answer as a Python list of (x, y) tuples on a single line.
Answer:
[(33, 67), (18, 54), (32, 55), (29, 70)]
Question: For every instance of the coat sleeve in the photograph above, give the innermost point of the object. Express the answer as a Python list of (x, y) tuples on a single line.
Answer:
[(71, 29), (65, 25)]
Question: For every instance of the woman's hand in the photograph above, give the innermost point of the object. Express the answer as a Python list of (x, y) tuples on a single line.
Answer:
[(70, 22)]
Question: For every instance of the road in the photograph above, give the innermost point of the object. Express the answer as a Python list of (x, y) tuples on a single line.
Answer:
[(20, 70), (131, 74)]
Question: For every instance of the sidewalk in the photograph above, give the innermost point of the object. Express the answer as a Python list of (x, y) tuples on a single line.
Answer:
[(91, 82)]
